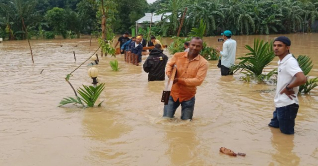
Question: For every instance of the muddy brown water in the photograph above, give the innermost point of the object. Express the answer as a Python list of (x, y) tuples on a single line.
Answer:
[(128, 128)]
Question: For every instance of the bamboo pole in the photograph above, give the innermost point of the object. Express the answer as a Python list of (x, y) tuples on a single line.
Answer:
[(103, 26), (150, 27), (74, 56), (26, 32), (90, 41), (181, 21)]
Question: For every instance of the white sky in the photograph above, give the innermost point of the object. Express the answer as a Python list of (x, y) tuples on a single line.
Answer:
[(151, 1)]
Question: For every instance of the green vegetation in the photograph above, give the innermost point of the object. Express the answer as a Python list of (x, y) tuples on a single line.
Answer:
[(177, 45), (114, 65), (305, 63), (255, 61), (70, 18), (241, 17), (207, 52), (89, 95), (260, 56)]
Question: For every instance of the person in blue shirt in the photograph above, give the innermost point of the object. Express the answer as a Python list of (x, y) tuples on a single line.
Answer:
[(228, 53), (125, 46), (136, 48)]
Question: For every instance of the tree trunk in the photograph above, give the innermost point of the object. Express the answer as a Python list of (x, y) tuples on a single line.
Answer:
[(26, 33), (103, 26), (181, 21), (11, 37)]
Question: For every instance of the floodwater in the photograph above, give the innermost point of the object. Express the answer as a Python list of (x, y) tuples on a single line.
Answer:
[(128, 128)]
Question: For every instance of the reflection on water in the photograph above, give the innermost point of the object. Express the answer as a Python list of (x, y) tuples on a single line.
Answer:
[(129, 129), (182, 142), (283, 145)]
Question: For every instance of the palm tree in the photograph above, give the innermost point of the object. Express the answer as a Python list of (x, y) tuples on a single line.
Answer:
[(19, 11), (255, 61), (305, 63)]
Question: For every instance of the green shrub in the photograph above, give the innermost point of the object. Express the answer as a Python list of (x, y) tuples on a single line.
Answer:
[(177, 45), (114, 65), (107, 46), (49, 35), (209, 53)]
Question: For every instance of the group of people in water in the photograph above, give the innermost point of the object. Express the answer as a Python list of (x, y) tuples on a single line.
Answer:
[(192, 69)]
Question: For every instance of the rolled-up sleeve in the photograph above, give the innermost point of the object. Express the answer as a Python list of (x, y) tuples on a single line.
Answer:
[(196, 81), (170, 65), (225, 51)]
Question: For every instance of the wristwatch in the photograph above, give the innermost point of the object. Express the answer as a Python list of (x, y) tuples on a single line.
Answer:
[(288, 88)]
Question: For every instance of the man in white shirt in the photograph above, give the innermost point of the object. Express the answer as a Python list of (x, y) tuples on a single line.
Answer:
[(290, 77), (228, 53)]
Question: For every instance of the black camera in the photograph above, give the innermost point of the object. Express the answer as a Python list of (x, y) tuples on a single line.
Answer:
[(220, 40)]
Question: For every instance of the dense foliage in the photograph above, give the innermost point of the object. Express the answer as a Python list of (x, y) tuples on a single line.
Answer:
[(207, 52), (239, 16), (77, 17), (68, 18)]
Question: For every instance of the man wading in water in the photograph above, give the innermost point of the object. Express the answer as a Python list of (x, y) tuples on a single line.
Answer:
[(155, 64), (191, 71), (290, 76)]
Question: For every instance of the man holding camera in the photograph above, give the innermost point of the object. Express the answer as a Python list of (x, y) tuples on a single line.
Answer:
[(228, 53)]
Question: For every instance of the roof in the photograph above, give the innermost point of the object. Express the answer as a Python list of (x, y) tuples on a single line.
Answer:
[(155, 18)]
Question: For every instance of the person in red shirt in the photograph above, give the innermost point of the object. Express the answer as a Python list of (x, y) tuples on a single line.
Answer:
[(191, 71)]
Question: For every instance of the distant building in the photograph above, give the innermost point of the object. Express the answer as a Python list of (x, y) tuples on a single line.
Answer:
[(152, 18)]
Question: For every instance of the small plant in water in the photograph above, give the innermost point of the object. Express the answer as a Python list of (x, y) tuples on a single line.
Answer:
[(114, 65), (255, 61), (88, 95)]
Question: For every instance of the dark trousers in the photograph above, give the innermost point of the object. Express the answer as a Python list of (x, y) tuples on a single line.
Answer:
[(187, 108), (284, 118), (225, 71), (139, 58)]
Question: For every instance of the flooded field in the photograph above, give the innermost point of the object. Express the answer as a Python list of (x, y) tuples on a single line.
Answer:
[(128, 128)]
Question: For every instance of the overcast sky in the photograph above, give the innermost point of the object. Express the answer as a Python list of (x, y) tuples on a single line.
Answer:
[(150, 1)]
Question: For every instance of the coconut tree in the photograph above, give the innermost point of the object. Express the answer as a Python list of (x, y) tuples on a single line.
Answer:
[(19, 12)]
